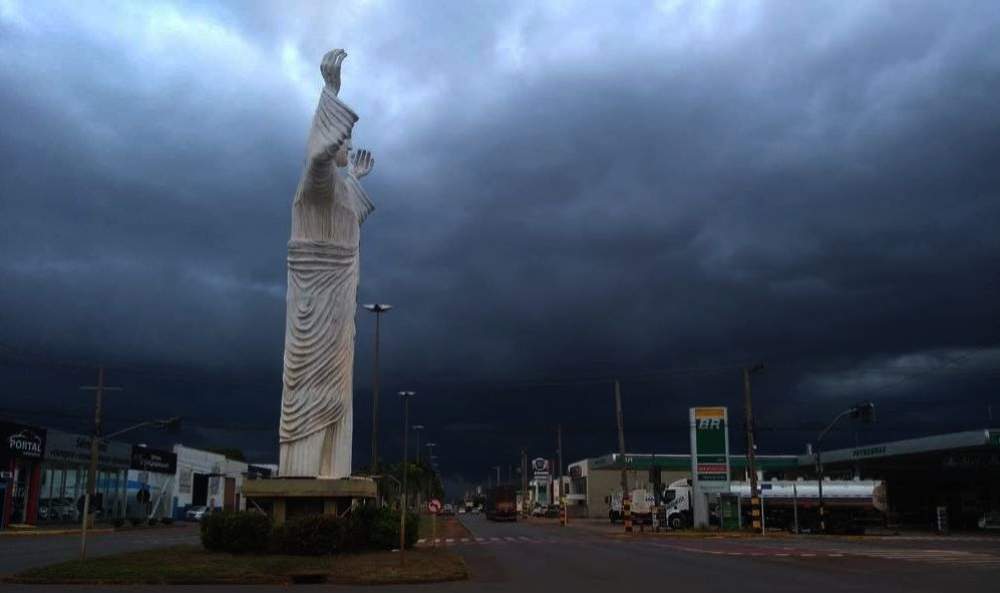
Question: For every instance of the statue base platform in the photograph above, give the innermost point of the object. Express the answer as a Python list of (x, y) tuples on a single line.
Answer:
[(287, 498)]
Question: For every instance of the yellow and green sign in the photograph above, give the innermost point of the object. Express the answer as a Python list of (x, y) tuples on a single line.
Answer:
[(710, 448)]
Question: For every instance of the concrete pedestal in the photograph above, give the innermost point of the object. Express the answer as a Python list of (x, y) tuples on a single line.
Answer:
[(286, 498)]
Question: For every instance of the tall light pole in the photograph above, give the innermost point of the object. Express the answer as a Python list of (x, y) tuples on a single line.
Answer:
[(497, 467), (402, 506), (377, 309), (863, 411), (430, 450), (755, 507), (417, 428)]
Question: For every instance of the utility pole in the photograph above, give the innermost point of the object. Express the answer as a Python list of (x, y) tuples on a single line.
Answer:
[(562, 496), (98, 390), (402, 507), (524, 483), (377, 309), (751, 452), (626, 499)]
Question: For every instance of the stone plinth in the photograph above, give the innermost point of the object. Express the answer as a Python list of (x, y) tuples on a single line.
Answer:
[(286, 498)]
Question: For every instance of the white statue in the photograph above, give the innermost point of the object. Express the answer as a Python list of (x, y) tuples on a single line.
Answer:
[(327, 212)]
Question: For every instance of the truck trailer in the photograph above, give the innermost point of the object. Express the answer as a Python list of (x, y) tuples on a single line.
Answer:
[(849, 504), (501, 503)]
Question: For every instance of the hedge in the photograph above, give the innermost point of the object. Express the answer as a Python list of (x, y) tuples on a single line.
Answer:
[(236, 532), (312, 535), (366, 528)]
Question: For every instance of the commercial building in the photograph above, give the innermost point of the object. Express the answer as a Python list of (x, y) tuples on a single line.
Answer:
[(21, 450), (65, 465), (151, 478), (208, 479), (958, 471), (43, 477), (592, 481)]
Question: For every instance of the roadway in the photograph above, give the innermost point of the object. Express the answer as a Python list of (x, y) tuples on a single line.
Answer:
[(587, 557), (532, 557)]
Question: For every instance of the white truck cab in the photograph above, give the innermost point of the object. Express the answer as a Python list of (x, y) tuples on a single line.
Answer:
[(677, 504)]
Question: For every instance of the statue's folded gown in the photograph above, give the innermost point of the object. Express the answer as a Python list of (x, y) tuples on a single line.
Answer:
[(323, 254)]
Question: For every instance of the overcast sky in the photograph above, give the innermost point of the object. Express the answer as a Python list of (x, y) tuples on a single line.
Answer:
[(565, 193)]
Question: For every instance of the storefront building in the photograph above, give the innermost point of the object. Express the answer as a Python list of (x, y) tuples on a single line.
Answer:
[(21, 451), (151, 480), (208, 479), (65, 465)]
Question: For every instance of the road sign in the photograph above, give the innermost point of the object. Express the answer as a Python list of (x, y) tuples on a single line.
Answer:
[(434, 506)]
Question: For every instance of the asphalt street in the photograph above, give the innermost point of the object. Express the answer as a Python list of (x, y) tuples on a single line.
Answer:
[(516, 557), (18, 552)]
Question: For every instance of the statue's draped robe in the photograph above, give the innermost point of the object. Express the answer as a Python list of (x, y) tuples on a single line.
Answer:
[(316, 406)]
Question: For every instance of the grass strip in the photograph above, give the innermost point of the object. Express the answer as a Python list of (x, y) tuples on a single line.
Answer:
[(190, 564)]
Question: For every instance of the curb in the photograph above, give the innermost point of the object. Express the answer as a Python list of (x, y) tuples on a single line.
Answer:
[(33, 533)]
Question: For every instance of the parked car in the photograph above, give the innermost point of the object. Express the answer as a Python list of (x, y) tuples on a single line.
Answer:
[(197, 513), (447, 510), (461, 510), (990, 521), (540, 510)]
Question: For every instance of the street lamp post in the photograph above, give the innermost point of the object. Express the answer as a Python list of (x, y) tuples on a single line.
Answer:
[(864, 411), (377, 309), (417, 428), (402, 507)]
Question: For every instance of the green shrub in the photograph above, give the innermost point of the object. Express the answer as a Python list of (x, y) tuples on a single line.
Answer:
[(167, 520), (378, 529), (118, 522), (311, 535), (135, 521), (236, 532)]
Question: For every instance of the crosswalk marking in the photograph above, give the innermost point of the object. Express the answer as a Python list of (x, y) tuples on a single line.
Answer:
[(956, 558)]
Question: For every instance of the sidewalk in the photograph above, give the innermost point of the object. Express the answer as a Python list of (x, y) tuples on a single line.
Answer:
[(32, 531)]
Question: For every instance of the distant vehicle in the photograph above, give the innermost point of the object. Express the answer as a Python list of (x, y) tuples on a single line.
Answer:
[(641, 510), (64, 510), (501, 503), (990, 521), (447, 510), (461, 510), (197, 513), (476, 510), (849, 504)]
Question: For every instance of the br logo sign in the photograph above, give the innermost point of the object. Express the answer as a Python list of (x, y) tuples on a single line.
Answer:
[(434, 506)]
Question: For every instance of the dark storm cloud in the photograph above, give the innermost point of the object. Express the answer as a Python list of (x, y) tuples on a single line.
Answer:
[(563, 191)]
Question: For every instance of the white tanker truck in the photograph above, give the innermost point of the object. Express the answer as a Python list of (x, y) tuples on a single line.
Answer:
[(849, 504)]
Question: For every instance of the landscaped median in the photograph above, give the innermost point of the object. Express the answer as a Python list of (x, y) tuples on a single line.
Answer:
[(246, 548), (189, 565)]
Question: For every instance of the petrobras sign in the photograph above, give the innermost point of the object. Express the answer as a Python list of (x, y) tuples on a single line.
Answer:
[(710, 448), (540, 465), (19, 440)]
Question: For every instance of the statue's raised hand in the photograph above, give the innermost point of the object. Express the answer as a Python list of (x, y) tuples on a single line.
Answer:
[(362, 163), (333, 120), (330, 68)]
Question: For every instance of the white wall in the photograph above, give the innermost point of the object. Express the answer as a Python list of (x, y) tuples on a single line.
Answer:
[(195, 461)]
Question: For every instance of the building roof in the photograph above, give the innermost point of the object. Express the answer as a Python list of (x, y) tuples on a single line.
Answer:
[(970, 439), (682, 461)]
